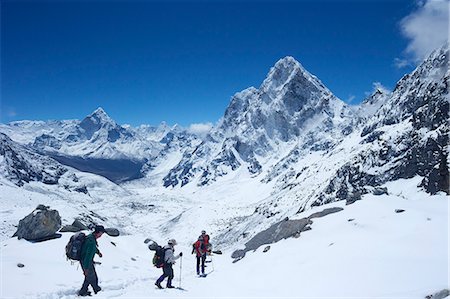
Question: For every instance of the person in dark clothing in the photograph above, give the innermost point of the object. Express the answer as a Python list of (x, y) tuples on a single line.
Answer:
[(169, 260), (88, 251), (199, 249)]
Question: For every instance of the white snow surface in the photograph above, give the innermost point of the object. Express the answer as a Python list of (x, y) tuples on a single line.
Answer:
[(378, 254)]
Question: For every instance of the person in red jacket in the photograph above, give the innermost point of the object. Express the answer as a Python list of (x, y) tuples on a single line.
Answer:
[(199, 249), (205, 238)]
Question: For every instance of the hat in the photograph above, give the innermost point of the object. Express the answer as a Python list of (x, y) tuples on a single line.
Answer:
[(172, 242), (99, 229), (203, 232)]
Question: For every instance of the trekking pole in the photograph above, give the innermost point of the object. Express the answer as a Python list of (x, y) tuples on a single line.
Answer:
[(212, 263), (181, 263)]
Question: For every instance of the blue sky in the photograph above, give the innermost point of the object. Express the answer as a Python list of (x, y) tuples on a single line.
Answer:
[(180, 62)]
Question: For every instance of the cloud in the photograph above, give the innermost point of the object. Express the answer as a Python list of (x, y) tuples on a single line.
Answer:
[(401, 63), (426, 28), (381, 87), (12, 112), (351, 98), (201, 129), (377, 86)]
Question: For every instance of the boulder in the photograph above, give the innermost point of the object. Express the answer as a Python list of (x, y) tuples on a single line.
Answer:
[(75, 227), (439, 295), (77, 223), (113, 232), (69, 229), (41, 224), (380, 191)]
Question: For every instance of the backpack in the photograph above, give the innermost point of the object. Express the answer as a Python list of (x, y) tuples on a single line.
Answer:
[(158, 257), (73, 248)]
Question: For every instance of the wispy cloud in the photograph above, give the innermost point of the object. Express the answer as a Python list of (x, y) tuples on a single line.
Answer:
[(401, 63), (426, 28), (377, 86), (351, 98), (12, 112), (201, 129)]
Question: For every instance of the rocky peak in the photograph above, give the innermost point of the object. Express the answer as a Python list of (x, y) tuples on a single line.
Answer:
[(98, 118)]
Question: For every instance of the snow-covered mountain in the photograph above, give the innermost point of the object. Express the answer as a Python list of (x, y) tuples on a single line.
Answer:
[(291, 107), (269, 133), (21, 165)]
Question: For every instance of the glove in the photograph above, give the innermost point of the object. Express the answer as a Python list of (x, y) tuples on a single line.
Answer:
[(181, 254)]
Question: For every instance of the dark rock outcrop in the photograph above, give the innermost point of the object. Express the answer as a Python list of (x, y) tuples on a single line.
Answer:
[(76, 226), (284, 229)]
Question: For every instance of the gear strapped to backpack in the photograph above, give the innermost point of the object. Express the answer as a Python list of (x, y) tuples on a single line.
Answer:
[(73, 248), (158, 257)]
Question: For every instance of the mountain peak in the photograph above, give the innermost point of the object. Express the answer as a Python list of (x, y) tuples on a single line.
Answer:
[(287, 61), (100, 114)]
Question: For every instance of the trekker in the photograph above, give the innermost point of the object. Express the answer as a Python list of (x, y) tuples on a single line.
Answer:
[(169, 260), (88, 251), (205, 238), (200, 251)]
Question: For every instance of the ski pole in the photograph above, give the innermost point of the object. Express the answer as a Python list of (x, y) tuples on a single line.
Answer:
[(181, 263), (212, 263)]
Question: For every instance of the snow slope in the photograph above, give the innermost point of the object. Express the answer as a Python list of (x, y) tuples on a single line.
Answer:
[(366, 251)]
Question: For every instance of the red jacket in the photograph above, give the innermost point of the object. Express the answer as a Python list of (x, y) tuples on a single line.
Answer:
[(199, 248)]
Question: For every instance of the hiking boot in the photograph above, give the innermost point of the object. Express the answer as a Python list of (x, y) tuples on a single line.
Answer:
[(158, 285), (170, 287), (97, 290), (84, 294)]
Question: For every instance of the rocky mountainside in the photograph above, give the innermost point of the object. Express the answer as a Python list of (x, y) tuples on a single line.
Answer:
[(21, 165), (291, 108)]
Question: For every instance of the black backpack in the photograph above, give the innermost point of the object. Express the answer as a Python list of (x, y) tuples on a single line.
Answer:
[(73, 248), (158, 257)]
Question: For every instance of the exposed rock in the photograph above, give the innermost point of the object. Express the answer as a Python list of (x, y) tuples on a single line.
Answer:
[(69, 229), (267, 248), (283, 229), (399, 211), (325, 212), (353, 197), (439, 295), (76, 226), (380, 191), (79, 224), (113, 232), (39, 225), (20, 265)]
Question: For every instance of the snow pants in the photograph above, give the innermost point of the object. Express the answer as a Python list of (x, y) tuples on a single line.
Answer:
[(90, 279), (201, 259), (167, 272)]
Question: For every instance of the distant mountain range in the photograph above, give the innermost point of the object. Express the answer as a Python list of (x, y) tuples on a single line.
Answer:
[(291, 133)]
